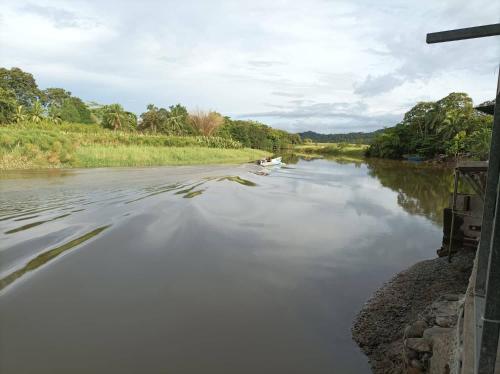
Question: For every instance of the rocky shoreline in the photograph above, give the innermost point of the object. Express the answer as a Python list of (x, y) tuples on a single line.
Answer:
[(379, 328)]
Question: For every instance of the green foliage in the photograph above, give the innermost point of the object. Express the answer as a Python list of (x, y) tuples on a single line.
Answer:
[(23, 148), (64, 107), (8, 105), (172, 121), (135, 155), (116, 118), (37, 112), (22, 84), (332, 149), (450, 126), (253, 134), (45, 144), (19, 115), (21, 101), (350, 138)]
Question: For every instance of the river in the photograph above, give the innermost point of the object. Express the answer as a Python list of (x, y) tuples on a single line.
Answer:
[(205, 269)]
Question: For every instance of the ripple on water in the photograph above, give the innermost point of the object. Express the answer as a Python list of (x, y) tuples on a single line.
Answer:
[(49, 255)]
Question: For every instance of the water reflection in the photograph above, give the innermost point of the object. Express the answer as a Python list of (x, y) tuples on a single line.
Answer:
[(213, 270), (422, 190), (47, 256)]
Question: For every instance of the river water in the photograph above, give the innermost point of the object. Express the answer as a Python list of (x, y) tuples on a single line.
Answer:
[(205, 270)]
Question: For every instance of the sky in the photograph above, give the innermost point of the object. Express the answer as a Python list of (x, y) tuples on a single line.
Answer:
[(330, 66)]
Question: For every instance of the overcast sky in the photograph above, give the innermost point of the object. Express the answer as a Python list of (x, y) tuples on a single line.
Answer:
[(326, 66)]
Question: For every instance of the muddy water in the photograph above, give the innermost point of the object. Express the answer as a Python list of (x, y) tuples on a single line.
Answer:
[(204, 270)]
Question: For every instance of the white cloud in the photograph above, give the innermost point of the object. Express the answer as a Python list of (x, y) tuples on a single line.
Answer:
[(242, 57)]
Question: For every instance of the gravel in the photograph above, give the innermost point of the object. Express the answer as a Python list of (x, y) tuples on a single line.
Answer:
[(378, 329)]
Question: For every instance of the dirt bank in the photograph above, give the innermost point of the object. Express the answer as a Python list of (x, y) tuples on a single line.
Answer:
[(378, 328)]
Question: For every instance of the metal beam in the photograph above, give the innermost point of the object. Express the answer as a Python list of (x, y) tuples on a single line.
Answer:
[(462, 34), (489, 204), (491, 317)]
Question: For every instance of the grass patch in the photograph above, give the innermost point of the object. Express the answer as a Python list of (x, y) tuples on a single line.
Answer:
[(133, 155), (46, 145), (333, 149)]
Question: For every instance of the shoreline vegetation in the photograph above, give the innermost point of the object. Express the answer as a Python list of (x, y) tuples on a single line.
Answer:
[(319, 150), (51, 128), (444, 130), (46, 145)]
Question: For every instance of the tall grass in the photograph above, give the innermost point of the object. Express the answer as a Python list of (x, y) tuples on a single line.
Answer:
[(139, 155), (46, 145)]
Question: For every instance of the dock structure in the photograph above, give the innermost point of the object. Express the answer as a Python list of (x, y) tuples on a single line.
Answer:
[(480, 329), (462, 221)]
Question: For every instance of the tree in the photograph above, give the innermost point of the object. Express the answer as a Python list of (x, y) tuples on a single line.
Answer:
[(178, 121), (22, 84), (205, 122), (435, 128), (60, 104), (8, 105), (19, 115), (37, 112), (55, 97), (152, 119), (171, 121), (116, 118)]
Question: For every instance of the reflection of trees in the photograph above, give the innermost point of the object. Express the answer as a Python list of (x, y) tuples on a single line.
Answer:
[(422, 190), (289, 157)]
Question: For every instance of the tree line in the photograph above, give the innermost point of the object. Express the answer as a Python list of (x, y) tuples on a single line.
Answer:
[(21, 100), (351, 137), (449, 127)]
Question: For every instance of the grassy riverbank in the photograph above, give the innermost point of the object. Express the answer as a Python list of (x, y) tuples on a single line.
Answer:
[(331, 149), (46, 145), (136, 155)]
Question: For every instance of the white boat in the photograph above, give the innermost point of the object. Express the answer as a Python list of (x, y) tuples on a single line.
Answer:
[(270, 161)]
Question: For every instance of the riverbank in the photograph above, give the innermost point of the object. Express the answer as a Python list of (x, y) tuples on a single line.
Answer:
[(41, 146), (331, 149), (378, 328)]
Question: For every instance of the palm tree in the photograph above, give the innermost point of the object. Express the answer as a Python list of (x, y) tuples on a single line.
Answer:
[(37, 112), (151, 119), (19, 115), (113, 115)]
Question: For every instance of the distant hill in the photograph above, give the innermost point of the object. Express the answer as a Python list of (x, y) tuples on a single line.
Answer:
[(352, 137)]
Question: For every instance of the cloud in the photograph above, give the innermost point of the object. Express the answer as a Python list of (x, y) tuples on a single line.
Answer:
[(377, 85), (286, 94), (320, 65), (61, 18), (347, 116), (259, 64)]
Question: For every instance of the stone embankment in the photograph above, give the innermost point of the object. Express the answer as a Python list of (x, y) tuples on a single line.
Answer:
[(413, 315), (429, 342)]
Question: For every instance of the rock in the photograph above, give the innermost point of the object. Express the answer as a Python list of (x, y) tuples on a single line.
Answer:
[(436, 331), (452, 297), (411, 354), (443, 343), (418, 344), (416, 329), (417, 364), (414, 371), (445, 321), (445, 308)]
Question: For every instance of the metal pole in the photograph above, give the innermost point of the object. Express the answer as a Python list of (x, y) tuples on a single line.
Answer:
[(489, 203), (466, 33), (491, 317), (453, 206)]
